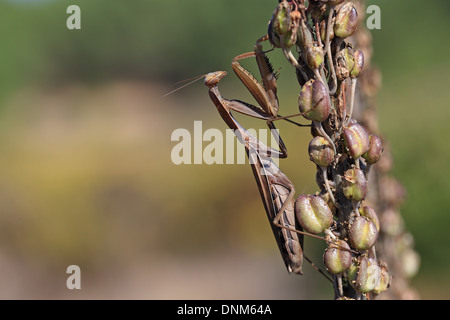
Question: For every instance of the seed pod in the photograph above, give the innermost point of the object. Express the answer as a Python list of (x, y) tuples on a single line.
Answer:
[(314, 101), (355, 186), (385, 280), (320, 151), (336, 259), (282, 18), (313, 213), (352, 272), (370, 214), (375, 150), (281, 26), (346, 20), (358, 64), (314, 56), (356, 140), (363, 234), (369, 275)]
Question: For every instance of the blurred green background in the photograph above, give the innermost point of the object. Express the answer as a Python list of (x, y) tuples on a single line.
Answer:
[(85, 144)]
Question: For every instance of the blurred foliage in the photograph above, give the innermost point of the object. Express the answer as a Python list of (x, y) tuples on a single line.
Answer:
[(77, 191), (149, 39)]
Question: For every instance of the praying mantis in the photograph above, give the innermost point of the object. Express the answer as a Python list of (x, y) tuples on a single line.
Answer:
[(274, 187), (277, 191)]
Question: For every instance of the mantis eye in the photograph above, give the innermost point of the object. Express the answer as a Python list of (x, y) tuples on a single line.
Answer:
[(213, 78)]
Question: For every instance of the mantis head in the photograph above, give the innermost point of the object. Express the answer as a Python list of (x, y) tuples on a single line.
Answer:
[(213, 78)]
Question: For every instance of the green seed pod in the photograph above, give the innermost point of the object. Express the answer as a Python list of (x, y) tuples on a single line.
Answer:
[(356, 140), (355, 186), (375, 150), (358, 64), (370, 214), (336, 259), (313, 213), (369, 275), (320, 151), (346, 20), (314, 101), (282, 18), (363, 234), (385, 280), (281, 25), (314, 56)]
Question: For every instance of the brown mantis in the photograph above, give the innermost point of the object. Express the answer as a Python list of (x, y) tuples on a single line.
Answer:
[(274, 187), (277, 191)]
